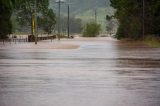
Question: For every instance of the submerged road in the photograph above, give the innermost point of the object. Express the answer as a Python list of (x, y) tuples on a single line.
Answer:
[(98, 73)]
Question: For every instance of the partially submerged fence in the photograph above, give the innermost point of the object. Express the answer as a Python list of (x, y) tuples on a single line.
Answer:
[(29, 38), (13, 40)]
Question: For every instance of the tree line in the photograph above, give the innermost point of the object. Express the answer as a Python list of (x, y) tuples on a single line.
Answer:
[(6, 7), (23, 10), (17, 15), (132, 13), (45, 16)]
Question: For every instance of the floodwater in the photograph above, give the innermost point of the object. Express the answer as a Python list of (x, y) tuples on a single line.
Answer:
[(99, 73)]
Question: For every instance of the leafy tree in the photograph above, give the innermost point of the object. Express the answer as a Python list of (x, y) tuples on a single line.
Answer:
[(129, 14), (6, 7), (47, 21), (46, 17), (152, 19), (91, 29)]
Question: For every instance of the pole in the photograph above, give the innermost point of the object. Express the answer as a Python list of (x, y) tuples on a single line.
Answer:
[(96, 15), (32, 23), (59, 16), (143, 32), (68, 21), (36, 35)]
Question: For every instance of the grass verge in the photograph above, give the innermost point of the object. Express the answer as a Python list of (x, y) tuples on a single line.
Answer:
[(152, 41)]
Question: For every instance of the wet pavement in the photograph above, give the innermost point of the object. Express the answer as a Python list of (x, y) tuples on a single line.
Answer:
[(99, 73)]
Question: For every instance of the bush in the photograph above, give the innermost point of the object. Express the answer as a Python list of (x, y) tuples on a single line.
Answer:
[(91, 29)]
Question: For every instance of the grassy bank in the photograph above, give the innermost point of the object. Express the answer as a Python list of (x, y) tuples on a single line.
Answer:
[(152, 41)]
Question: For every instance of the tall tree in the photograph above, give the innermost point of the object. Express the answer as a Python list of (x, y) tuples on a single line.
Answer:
[(47, 21), (25, 11), (6, 8), (130, 16)]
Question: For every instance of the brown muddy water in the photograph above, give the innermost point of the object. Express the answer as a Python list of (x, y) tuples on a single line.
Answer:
[(99, 73)]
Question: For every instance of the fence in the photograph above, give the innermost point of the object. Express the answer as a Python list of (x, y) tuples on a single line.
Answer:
[(13, 40), (29, 38)]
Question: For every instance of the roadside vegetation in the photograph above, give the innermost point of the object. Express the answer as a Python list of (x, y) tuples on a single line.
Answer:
[(129, 13), (16, 15), (91, 29), (25, 12), (6, 8), (152, 41), (132, 15)]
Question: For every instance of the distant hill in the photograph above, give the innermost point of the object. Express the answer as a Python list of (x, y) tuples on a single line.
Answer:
[(80, 6), (85, 9)]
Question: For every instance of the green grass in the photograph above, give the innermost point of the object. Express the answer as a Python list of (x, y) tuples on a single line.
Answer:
[(152, 41)]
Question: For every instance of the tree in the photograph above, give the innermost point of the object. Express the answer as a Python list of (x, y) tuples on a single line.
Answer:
[(6, 8), (91, 29), (47, 21), (25, 12), (130, 16)]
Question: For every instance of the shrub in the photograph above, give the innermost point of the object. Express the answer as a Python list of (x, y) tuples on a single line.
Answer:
[(91, 29)]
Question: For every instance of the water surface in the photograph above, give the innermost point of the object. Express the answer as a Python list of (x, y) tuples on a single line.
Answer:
[(102, 73)]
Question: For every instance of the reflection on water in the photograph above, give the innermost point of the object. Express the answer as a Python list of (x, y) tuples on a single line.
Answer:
[(97, 74)]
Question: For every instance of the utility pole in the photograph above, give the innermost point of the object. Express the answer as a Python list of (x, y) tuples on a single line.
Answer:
[(32, 23), (32, 20), (68, 21), (143, 29), (96, 15), (59, 17), (35, 22)]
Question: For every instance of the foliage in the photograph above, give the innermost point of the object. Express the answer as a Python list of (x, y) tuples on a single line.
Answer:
[(6, 7), (91, 29), (129, 14), (47, 22), (45, 16)]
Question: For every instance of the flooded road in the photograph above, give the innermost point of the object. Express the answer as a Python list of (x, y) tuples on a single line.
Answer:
[(98, 73)]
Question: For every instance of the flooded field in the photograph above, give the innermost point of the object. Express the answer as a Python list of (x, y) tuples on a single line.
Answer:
[(98, 73)]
